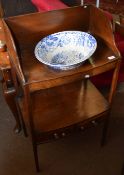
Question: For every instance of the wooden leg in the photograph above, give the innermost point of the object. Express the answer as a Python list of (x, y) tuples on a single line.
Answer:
[(36, 157), (24, 127), (122, 172), (9, 95), (105, 130), (22, 120), (28, 110)]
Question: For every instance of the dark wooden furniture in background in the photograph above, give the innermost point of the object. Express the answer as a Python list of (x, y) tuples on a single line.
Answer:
[(7, 82), (11, 8), (113, 6), (55, 103), (17, 7), (120, 29)]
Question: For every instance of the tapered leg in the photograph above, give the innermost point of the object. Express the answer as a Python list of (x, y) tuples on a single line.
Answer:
[(22, 120), (122, 172), (36, 157), (105, 130), (24, 127)]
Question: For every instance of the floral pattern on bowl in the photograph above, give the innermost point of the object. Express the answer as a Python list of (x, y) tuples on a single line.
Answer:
[(65, 50)]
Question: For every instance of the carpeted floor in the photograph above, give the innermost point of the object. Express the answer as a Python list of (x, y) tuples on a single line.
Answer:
[(80, 154)]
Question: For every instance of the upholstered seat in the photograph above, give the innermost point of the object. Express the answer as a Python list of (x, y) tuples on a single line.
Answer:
[(46, 5)]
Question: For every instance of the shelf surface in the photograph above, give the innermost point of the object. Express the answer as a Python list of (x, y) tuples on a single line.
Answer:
[(38, 74), (27, 34), (66, 105)]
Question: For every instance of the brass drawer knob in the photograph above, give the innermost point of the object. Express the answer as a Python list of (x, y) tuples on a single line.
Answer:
[(56, 136), (82, 128), (63, 134), (94, 122)]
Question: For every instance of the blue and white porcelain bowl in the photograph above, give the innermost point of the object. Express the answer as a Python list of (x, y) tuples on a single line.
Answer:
[(65, 50)]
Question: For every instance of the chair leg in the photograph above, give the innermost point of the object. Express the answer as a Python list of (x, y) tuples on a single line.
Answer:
[(105, 131), (36, 157)]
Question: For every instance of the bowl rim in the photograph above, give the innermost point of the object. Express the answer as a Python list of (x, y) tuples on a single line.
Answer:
[(61, 65)]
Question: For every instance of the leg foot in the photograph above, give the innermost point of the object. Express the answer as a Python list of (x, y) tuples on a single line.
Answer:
[(17, 128), (104, 133), (36, 157)]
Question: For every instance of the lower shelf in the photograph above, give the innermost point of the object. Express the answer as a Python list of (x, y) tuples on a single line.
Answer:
[(65, 106)]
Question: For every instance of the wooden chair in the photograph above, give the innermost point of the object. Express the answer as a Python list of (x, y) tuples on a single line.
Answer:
[(7, 82), (7, 9), (53, 104)]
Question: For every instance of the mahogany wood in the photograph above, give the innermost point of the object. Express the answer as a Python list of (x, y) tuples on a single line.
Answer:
[(21, 30), (7, 82), (75, 102), (46, 93), (9, 94)]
